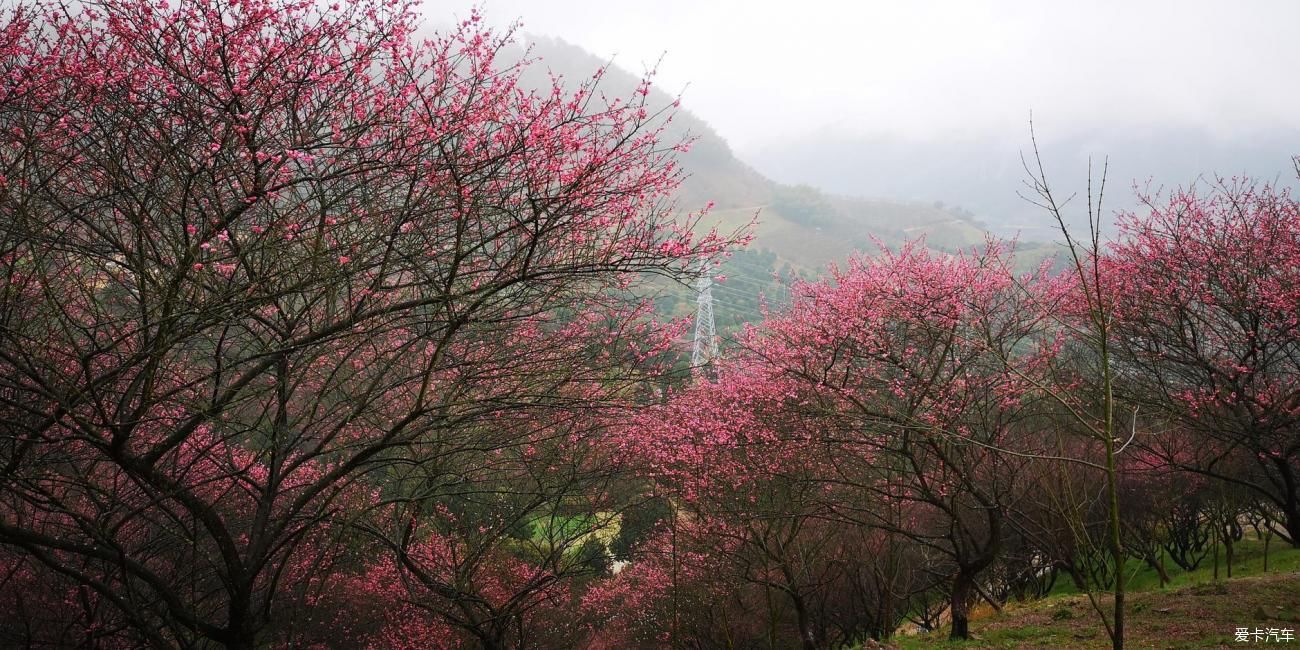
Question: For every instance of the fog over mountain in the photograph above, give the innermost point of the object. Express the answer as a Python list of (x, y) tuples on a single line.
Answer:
[(930, 100), (985, 174)]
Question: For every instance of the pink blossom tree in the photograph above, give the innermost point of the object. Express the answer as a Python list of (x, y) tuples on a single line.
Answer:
[(755, 493), (881, 401), (1208, 328), (907, 356), (254, 256)]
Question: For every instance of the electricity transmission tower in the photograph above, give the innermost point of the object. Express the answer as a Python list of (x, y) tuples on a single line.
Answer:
[(706, 334)]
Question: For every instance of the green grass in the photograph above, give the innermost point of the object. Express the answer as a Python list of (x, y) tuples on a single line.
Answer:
[(1192, 611), (573, 529), (1198, 616), (561, 526), (1247, 561)]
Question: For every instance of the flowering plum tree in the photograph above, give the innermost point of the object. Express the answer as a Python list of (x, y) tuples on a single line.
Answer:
[(1208, 325), (906, 354), (882, 401), (491, 541), (254, 256), (746, 466)]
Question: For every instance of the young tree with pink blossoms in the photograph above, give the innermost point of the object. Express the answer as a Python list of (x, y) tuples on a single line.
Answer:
[(255, 256), (903, 355), (747, 465), (1207, 288), (491, 539), (738, 480)]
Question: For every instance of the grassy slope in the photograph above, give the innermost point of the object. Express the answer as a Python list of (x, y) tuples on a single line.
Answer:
[(810, 247), (805, 247), (1192, 611)]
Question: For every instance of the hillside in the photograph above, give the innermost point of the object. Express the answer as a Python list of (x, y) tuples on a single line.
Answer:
[(985, 173), (1193, 611), (1199, 616), (831, 225), (800, 229)]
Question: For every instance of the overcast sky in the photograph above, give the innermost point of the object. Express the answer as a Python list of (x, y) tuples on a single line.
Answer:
[(760, 72)]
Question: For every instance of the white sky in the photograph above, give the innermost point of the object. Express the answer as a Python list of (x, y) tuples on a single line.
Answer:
[(761, 72)]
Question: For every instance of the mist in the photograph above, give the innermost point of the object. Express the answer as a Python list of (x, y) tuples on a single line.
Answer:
[(932, 100)]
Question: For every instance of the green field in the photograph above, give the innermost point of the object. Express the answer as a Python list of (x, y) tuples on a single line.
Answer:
[(1192, 611)]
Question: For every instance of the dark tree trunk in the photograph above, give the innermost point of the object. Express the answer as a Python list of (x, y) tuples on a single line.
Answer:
[(1228, 555), (807, 632), (1290, 505), (1267, 538), (1159, 566), (1076, 576), (963, 596), (1292, 525), (240, 633)]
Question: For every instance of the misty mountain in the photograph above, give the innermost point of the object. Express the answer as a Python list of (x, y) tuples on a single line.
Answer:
[(801, 227), (801, 222), (983, 176), (714, 172), (823, 195)]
